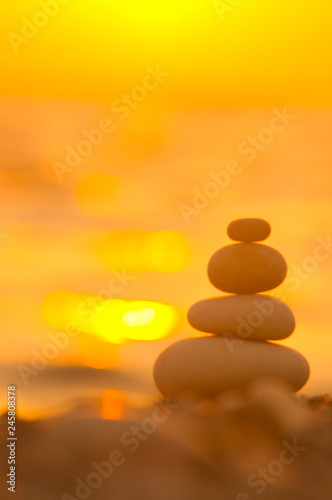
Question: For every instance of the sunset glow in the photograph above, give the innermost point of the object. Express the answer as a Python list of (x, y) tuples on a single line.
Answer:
[(114, 320), (132, 133)]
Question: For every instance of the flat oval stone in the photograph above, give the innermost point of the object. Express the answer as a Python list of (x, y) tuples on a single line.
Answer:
[(253, 316), (205, 366), (246, 268), (249, 230)]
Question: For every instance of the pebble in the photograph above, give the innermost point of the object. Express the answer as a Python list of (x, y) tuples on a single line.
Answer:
[(205, 366), (246, 268), (249, 230), (253, 316)]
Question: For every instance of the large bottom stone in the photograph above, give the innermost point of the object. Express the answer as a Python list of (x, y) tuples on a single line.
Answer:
[(204, 366)]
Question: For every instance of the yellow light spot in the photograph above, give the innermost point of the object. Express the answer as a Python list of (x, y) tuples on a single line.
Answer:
[(149, 321), (108, 323), (116, 321), (139, 318), (59, 308), (96, 194), (160, 251), (112, 404), (122, 321), (119, 249), (165, 251)]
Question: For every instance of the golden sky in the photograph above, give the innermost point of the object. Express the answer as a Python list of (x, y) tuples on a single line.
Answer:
[(254, 53), (115, 119)]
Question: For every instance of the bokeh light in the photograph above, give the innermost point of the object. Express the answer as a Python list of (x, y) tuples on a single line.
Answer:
[(114, 320), (160, 251), (165, 251), (122, 248)]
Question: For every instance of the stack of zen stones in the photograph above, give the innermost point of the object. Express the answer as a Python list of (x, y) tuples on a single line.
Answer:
[(240, 326)]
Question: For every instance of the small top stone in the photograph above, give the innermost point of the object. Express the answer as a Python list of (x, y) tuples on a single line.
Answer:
[(248, 230)]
